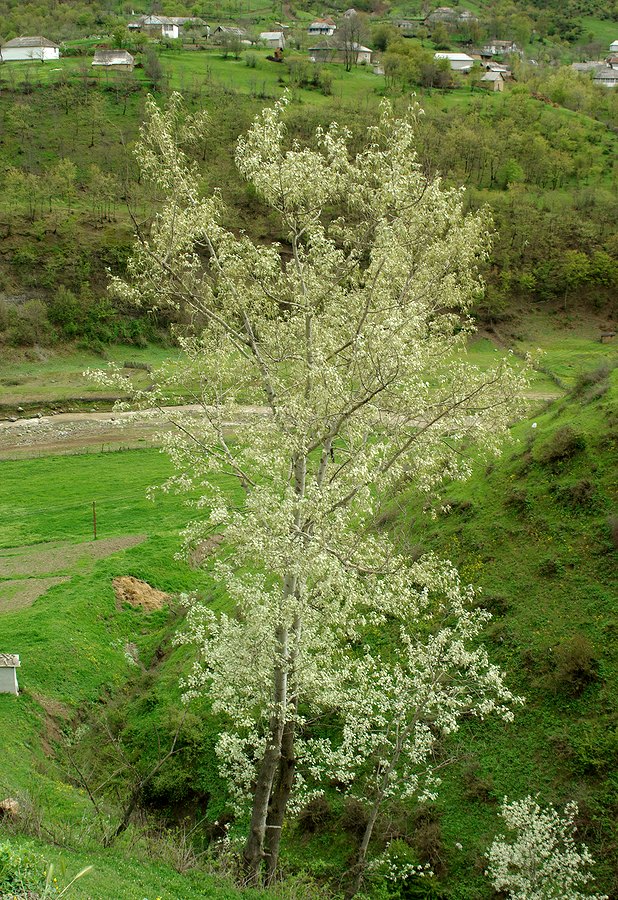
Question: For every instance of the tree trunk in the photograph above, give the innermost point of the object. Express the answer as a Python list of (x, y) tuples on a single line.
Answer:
[(361, 860), (253, 854), (279, 801)]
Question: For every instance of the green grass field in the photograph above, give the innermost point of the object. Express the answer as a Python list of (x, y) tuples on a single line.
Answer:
[(43, 376)]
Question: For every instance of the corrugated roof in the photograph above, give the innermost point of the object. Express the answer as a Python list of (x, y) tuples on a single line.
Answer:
[(460, 57), (37, 41), (112, 58), (9, 660)]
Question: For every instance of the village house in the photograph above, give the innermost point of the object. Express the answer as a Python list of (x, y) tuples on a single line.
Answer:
[(497, 48), (493, 81), (405, 24), (459, 62), (606, 77), (222, 32), (39, 48), (9, 664), (585, 67), (166, 26), (496, 67), (447, 14), (322, 27), (156, 26), (333, 52), (441, 14), (120, 60), (273, 39), (613, 47)]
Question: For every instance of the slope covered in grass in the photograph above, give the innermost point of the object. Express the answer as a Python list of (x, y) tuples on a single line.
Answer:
[(538, 532)]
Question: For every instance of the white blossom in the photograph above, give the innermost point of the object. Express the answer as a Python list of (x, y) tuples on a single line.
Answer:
[(341, 364), (539, 859)]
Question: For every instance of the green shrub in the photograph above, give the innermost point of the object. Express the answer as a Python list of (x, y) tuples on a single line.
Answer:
[(612, 523), (314, 816), (593, 746), (549, 567), (517, 500), (576, 665), (588, 383), (427, 838), (477, 786), (581, 494), (29, 324), (355, 817), (21, 871), (564, 444)]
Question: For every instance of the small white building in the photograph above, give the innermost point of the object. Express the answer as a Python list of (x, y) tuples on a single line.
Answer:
[(9, 664), (497, 48), (459, 62), (323, 27), (156, 26), (38, 48), (613, 47), (272, 39), (493, 81), (114, 59)]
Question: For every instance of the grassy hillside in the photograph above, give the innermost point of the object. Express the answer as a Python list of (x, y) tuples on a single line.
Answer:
[(536, 530), (70, 188)]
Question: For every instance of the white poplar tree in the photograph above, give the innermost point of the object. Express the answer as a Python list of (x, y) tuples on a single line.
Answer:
[(539, 859), (347, 340)]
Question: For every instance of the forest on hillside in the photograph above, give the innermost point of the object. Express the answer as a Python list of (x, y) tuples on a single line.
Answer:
[(546, 177), (70, 19)]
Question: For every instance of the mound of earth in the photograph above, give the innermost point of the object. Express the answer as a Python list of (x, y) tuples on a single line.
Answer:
[(138, 593)]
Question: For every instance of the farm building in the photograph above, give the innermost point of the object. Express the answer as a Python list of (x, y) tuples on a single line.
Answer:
[(167, 26), (114, 59), (613, 47), (493, 81), (332, 51), (441, 14), (323, 27), (38, 48), (459, 62), (224, 32), (273, 39), (156, 26), (607, 77), (496, 48), (9, 664)]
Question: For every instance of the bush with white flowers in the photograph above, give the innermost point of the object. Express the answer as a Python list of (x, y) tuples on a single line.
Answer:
[(539, 859)]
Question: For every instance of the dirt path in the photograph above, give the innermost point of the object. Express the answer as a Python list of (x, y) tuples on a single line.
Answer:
[(93, 431), (97, 432)]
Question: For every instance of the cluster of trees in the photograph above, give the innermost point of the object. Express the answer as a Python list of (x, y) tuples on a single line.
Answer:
[(544, 23), (547, 176), (520, 159)]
